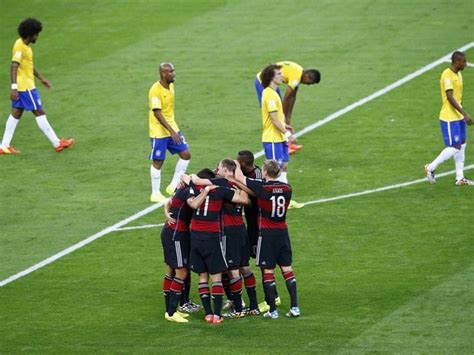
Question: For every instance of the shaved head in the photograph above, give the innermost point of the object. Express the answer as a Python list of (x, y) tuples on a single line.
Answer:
[(167, 73), (166, 66)]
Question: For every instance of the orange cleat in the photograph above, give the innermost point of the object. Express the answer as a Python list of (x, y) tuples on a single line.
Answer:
[(293, 148), (9, 150), (63, 144), (217, 319), (209, 318)]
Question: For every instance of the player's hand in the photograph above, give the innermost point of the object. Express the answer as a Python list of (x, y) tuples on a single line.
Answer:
[(468, 119), (185, 179), (176, 138), (209, 188), (14, 94), (46, 83), (170, 220), (289, 128)]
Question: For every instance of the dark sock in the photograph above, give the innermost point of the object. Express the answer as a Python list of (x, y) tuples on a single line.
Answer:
[(187, 288), (290, 280), (166, 289), (217, 293), (269, 288), (250, 286), (174, 295), (225, 284), (235, 287), (205, 295)]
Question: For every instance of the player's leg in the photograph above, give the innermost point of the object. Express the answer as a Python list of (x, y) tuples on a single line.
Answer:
[(251, 288), (10, 127), (167, 280), (290, 281), (217, 295), (157, 155), (459, 158), (235, 286), (182, 164), (450, 136), (269, 287), (176, 288)]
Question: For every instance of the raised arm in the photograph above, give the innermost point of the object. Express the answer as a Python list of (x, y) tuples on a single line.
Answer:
[(199, 181), (196, 202), (241, 197)]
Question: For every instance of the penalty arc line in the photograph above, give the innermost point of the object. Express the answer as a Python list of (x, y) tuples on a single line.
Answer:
[(257, 155)]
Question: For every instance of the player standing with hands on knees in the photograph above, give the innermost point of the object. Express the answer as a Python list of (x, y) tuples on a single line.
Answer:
[(24, 95)]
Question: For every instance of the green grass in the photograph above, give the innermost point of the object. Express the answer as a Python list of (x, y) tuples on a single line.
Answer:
[(387, 272)]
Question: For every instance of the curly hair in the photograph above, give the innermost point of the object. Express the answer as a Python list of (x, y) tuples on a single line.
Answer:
[(267, 74), (29, 27)]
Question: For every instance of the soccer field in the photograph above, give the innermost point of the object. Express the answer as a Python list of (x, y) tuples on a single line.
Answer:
[(389, 270)]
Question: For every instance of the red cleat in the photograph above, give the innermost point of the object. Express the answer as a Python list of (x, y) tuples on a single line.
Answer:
[(63, 144), (9, 150), (217, 320), (209, 318)]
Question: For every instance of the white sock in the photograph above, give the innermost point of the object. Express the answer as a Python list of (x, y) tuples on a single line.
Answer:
[(179, 170), (10, 127), (445, 154), (283, 177), (459, 157), (155, 180), (48, 131)]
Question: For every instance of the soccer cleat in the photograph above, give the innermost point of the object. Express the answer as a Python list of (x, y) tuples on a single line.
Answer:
[(209, 318), (430, 174), (189, 307), (175, 318), (170, 190), (158, 197), (63, 144), (264, 307), (464, 182), (272, 315), (9, 150), (252, 312), (293, 148), (229, 304), (294, 312), (234, 314), (294, 204), (217, 319), (181, 314), (277, 301)]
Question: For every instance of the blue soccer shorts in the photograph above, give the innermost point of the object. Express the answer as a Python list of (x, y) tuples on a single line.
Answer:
[(159, 146), (259, 88), (276, 151), (28, 100), (454, 133)]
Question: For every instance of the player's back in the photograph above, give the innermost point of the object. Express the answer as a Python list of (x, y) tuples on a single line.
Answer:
[(180, 210)]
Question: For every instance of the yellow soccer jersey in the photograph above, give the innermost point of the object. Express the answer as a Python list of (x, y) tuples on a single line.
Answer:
[(271, 102), (163, 99), (23, 55), (450, 81), (291, 73)]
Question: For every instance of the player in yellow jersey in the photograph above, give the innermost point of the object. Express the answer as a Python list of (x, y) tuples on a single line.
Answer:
[(293, 75), (24, 94), (275, 132), (453, 119), (164, 132)]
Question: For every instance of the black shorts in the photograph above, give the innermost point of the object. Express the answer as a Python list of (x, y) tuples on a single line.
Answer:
[(274, 249), (237, 252), (207, 253), (176, 247), (252, 233)]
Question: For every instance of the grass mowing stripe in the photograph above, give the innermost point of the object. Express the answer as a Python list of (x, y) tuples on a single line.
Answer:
[(257, 155), (80, 244)]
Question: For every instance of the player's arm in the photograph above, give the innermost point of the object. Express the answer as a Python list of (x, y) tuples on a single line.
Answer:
[(168, 217), (288, 103), (240, 180), (196, 202), (44, 81), (162, 120), (199, 181), (457, 106), (13, 74), (241, 197)]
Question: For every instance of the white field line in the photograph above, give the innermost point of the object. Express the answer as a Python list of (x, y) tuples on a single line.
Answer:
[(375, 95), (468, 64), (335, 198), (139, 227), (257, 155), (385, 188), (81, 244)]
